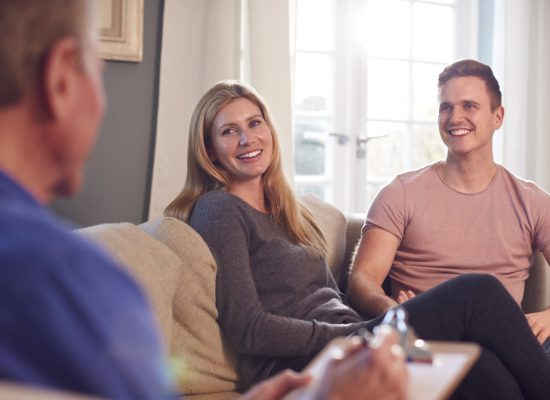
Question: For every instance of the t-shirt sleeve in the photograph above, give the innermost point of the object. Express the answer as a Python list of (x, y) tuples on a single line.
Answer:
[(387, 210), (248, 327), (541, 212)]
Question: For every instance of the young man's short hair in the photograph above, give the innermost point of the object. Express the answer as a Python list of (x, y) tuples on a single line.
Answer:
[(465, 68)]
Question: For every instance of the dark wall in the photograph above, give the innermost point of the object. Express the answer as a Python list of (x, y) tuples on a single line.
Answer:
[(118, 175)]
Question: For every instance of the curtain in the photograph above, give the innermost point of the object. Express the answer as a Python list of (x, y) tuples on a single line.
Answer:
[(522, 63), (205, 41)]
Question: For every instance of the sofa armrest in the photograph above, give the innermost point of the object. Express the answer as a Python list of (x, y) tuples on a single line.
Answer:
[(537, 286), (24, 391)]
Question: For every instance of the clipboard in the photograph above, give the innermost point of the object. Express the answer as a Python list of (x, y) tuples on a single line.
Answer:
[(438, 381), (435, 381)]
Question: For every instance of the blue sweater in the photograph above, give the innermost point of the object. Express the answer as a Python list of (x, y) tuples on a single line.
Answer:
[(70, 318)]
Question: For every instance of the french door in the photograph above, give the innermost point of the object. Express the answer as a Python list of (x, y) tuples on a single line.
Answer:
[(366, 90)]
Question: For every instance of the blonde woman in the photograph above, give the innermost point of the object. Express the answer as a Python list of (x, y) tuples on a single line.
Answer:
[(278, 303)]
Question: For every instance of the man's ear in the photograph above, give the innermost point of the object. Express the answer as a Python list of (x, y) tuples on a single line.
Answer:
[(61, 71), (499, 117)]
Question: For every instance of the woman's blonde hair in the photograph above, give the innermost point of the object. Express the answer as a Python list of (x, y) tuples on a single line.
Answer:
[(203, 175)]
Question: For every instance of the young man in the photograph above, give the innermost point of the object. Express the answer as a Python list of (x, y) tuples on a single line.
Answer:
[(464, 214), (70, 318)]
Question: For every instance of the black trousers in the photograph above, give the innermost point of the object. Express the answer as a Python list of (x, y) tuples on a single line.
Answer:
[(477, 308)]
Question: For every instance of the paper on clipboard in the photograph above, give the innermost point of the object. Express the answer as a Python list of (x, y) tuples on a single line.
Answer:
[(436, 381)]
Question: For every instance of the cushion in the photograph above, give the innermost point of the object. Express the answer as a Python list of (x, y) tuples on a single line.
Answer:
[(21, 391), (353, 235), (537, 287), (197, 346), (154, 265), (332, 223)]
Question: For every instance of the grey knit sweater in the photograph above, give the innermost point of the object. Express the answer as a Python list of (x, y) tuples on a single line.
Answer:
[(275, 301)]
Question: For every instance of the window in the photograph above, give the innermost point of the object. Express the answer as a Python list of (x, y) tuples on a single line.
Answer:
[(366, 90)]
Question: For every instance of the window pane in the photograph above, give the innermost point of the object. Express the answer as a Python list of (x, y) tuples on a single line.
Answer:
[(385, 28), (387, 89), (425, 102), (313, 82), (372, 191), (315, 26), (433, 32), (319, 190), (428, 146), (309, 144), (385, 154)]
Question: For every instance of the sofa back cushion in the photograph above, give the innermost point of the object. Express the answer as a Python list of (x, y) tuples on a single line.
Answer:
[(537, 287), (155, 267), (333, 224), (197, 345)]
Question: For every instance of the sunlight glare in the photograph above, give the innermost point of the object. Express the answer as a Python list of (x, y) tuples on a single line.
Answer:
[(384, 28)]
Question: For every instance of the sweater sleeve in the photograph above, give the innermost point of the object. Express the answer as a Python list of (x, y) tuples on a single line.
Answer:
[(247, 326)]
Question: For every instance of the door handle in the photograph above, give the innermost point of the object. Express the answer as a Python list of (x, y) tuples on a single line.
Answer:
[(361, 139), (341, 138), (362, 142)]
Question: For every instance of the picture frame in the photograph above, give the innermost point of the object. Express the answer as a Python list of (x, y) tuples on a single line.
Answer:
[(120, 29)]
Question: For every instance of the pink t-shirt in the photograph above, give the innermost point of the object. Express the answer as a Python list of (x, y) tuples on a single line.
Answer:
[(445, 233)]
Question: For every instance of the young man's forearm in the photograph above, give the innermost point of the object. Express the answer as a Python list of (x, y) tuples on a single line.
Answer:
[(367, 296)]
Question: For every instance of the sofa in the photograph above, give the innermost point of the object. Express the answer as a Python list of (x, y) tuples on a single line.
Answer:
[(177, 272)]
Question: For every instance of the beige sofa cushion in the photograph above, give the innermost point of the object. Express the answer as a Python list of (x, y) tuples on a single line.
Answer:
[(154, 265), (21, 391), (333, 225), (197, 345), (537, 286)]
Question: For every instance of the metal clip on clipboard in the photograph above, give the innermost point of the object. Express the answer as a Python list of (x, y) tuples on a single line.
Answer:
[(417, 350)]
